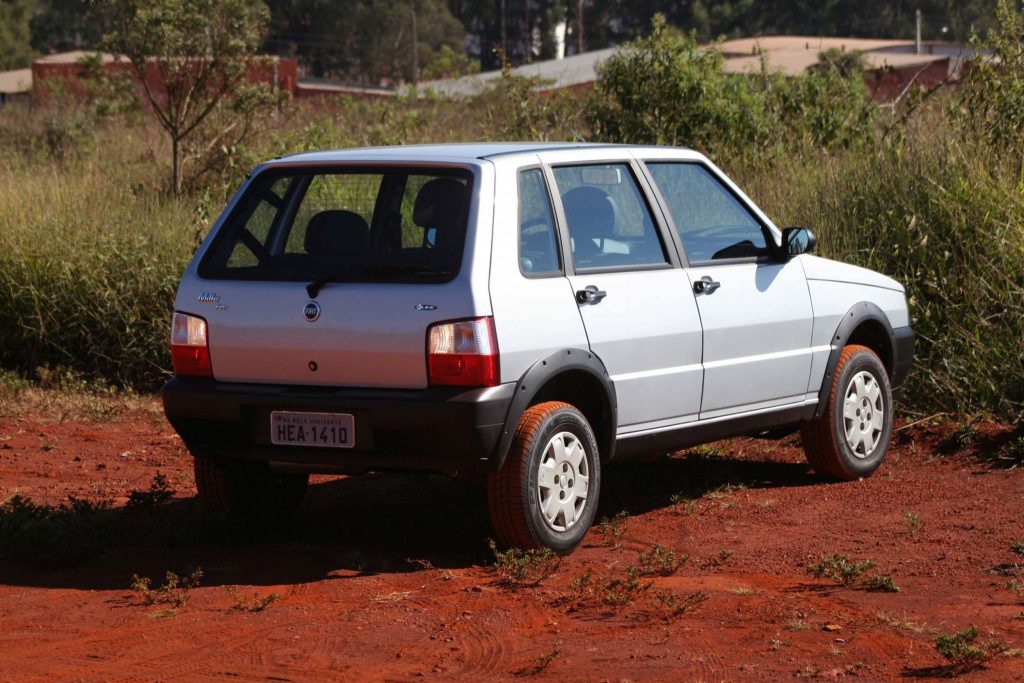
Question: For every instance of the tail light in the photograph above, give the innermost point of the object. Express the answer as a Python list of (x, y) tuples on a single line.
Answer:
[(463, 353), (190, 350)]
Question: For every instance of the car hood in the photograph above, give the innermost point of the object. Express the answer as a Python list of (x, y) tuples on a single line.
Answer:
[(818, 268)]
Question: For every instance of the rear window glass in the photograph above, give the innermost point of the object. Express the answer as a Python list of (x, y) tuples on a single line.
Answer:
[(387, 225)]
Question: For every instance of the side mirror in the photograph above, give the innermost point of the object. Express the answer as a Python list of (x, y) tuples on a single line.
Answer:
[(796, 241)]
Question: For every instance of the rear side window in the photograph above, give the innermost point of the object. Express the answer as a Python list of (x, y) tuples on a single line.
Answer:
[(538, 245), (384, 225), (609, 222), (712, 223)]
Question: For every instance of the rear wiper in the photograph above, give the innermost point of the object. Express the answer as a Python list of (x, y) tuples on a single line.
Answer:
[(314, 287)]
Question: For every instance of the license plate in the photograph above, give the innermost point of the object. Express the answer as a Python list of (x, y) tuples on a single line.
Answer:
[(323, 430)]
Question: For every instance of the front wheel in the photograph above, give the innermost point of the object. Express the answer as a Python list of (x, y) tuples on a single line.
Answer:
[(850, 439), (545, 495)]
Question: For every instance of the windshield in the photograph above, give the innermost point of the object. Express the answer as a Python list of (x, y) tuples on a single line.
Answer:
[(384, 224)]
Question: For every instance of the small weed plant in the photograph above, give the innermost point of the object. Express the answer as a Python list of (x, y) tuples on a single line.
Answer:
[(673, 604), (613, 529), (158, 493), (963, 651), (524, 568), (961, 439), (881, 583), (174, 593), (252, 602), (1011, 455), (1017, 547), (539, 664), (913, 523), (851, 573), (840, 568), (659, 561)]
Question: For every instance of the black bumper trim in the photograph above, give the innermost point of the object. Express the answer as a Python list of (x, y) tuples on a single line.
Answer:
[(902, 355), (438, 428)]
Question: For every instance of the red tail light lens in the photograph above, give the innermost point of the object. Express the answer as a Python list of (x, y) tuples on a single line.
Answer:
[(190, 350), (463, 353)]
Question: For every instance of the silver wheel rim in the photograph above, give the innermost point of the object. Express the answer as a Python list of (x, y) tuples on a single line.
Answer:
[(563, 480), (863, 414)]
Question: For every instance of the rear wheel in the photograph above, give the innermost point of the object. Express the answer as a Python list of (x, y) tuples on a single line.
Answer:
[(261, 498), (850, 439), (545, 495)]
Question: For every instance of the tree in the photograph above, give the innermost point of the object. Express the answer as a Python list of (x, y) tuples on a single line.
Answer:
[(191, 60), (66, 25), (15, 51)]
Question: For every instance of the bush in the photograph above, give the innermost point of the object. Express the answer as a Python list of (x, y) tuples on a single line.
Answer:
[(962, 651), (666, 89)]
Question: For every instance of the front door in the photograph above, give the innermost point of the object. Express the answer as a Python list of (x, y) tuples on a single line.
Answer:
[(756, 311), (640, 319)]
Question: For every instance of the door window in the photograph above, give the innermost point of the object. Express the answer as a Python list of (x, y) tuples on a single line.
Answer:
[(609, 222), (711, 221), (538, 246)]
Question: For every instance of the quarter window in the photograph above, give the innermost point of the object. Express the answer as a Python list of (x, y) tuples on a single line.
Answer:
[(609, 222), (712, 223), (538, 246)]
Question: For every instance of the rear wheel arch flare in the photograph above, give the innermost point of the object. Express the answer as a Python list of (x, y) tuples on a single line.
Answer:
[(574, 376)]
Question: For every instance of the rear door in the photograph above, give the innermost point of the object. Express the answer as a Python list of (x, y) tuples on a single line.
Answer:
[(386, 245), (627, 284), (756, 311)]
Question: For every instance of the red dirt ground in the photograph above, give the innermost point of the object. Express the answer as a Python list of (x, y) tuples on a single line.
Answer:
[(388, 578)]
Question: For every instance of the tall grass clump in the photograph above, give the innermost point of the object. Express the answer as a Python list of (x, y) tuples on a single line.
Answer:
[(89, 263)]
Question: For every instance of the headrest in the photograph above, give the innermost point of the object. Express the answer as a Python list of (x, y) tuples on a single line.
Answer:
[(337, 232), (439, 203), (590, 213)]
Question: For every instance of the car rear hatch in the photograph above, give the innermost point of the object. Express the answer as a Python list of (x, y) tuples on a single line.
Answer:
[(332, 275)]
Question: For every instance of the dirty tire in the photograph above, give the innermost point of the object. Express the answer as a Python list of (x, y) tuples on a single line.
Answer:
[(825, 440), (260, 498), (514, 492)]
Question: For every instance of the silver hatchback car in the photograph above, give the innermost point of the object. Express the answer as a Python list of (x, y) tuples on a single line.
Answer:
[(521, 313)]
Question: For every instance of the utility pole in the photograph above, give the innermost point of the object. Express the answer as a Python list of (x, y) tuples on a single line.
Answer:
[(415, 48), (917, 39), (579, 27), (504, 37)]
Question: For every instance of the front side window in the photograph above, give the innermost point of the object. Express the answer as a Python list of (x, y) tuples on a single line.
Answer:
[(609, 222), (712, 223), (538, 245), (384, 225)]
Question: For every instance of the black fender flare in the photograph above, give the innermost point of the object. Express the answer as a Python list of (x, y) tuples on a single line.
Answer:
[(534, 379), (858, 314)]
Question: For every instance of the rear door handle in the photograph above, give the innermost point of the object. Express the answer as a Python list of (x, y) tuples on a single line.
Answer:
[(705, 285), (590, 295)]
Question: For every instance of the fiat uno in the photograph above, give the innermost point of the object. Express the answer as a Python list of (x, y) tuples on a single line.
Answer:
[(522, 314)]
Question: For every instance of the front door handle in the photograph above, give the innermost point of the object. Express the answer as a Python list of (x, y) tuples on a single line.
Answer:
[(705, 285), (590, 295)]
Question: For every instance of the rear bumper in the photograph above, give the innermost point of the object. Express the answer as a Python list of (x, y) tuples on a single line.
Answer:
[(902, 355), (440, 429)]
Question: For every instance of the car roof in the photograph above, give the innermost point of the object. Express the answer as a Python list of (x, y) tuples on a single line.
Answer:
[(449, 151)]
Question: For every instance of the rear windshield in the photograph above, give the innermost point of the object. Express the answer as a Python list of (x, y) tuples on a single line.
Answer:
[(382, 225)]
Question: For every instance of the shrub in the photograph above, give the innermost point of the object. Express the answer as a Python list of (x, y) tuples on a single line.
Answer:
[(962, 652)]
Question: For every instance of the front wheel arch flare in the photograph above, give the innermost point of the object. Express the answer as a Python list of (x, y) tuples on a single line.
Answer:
[(865, 323)]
